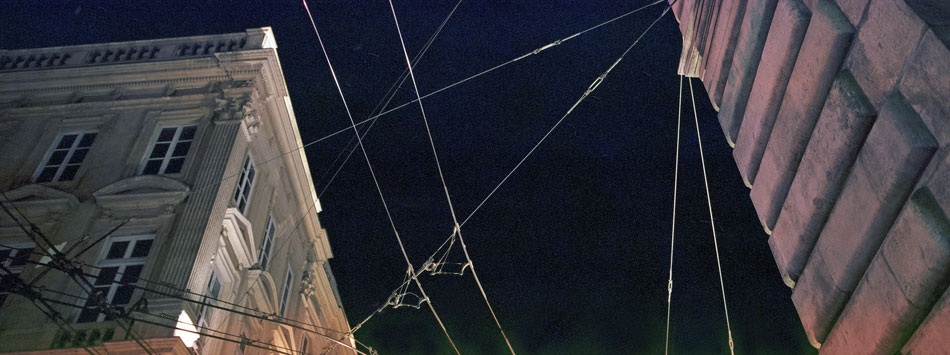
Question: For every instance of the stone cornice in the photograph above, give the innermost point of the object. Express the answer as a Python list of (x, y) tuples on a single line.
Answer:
[(142, 193)]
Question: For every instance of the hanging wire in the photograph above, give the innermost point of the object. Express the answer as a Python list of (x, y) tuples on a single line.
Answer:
[(712, 221), (369, 165), (676, 170), (373, 118)]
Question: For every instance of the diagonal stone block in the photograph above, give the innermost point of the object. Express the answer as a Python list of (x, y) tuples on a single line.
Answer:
[(926, 84), (888, 34), (890, 161), (853, 9), (824, 47), (754, 30), (844, 123), (778, 58), (720, 54), (931, 335), (902, 283)]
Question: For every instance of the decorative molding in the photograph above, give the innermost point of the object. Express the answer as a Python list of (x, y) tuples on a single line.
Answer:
[(239, 238), (40, 200), (141, 193)]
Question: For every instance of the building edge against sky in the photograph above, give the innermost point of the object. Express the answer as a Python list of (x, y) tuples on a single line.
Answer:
[(190, 142)]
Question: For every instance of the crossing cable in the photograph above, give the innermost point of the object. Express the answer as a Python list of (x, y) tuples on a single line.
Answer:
[(471, 214), (385, 101), (499, 66), (712, 221), (369, 165), (217, 304), (249, 342), (593, 86), (676, 170), (64, 264), (445, 187), (23, 289)]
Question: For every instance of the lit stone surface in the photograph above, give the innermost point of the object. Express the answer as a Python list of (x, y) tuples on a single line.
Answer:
[(745, 62), (778, 58), (824, 47), (901, 284), (931, 336), (720, 54), (887, 37), (926, 84), (844, 123), (896, 151)]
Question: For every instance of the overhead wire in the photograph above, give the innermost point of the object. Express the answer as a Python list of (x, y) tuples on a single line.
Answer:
[(385, 101), (712, 220), (40, 240), (593, 86), (445, 187), (676, 170), (486, 71), (375, 180)]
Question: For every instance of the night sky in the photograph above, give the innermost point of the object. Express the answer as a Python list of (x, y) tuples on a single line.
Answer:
[(574, 249)]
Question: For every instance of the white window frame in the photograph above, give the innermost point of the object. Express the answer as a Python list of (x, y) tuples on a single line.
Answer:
[(285, 293), (69, 155), (16, 270), (171, 148), (267, 244), (206, 315), (246, 169), (122, 265)]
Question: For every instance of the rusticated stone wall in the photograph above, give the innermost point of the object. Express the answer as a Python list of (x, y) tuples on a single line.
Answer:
[(839, 114)]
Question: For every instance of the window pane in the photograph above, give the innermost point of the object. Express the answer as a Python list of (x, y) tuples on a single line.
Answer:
[(167, 134), (88, 315), (141, 248), (174, 165), (47, 175), (21, 257), (188, 132), (181, 149), (131, 274), (152, 167), (69, 172), (250, 177), (159, 150), (66, 142), (123, 295), (117, 250), (57, 157), (87, 140), (106, 276), (78, 156)]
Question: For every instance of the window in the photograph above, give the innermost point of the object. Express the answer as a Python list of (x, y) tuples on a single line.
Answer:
[(305, 346), (13, 260), (64, 158), (167, 154), (267, 243), (245, 182), (212, 291), (118, 272), (285, 294), (244, 340)]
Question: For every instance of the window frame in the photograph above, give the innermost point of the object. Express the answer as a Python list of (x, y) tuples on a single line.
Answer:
[(248, 168), (44, 163), (17, 269), (284, 301), (270, 229), (121, 265), (206, 313), (171, 148)]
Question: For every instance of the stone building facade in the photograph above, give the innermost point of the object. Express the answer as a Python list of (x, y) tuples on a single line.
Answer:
[(190, 147), (839, 115)]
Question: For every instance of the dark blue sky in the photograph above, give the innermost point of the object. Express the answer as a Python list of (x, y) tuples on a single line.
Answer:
[(574, 249)]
